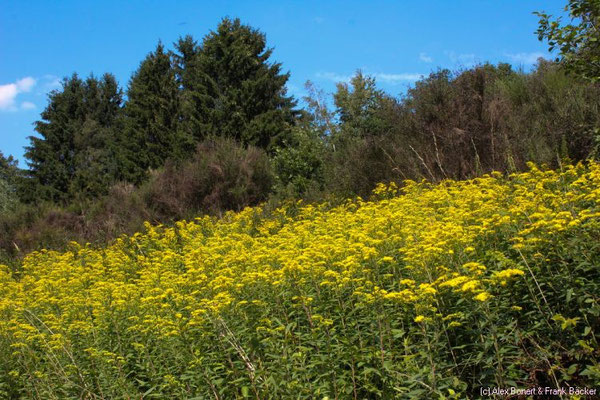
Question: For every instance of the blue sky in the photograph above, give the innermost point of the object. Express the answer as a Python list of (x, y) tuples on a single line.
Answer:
[(322, 41)]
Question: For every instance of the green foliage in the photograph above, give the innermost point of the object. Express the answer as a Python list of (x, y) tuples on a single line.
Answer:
[(231, 89), (357, 105), (550, 115), (9, 170), (222, 175), (76, 151), (578, 43), (448, 125), (152, 115), (298, 164), (357, 156), (10, 176), (224, 98), (459, 125), (432, 293), (194, 99), (8, 197)]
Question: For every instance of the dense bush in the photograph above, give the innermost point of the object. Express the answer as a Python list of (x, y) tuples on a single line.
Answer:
[(8, 197), (222, 175), (460, 125), (122, 211), (32, 227), (449, 125), (298, 166)]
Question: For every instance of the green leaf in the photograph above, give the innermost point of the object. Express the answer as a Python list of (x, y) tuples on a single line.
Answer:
[(398, 333), (587, 331), (245, 391), (147, 392)]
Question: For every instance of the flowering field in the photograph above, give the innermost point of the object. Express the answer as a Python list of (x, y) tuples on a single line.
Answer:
[(428, 291)]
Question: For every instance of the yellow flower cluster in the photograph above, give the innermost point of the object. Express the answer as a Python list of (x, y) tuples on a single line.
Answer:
[(406, 248)]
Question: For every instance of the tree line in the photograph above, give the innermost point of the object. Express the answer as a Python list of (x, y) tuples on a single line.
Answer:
[(93, 134), (208, 127)]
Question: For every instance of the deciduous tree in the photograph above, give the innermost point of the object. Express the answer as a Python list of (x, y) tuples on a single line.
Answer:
[(578, 42)]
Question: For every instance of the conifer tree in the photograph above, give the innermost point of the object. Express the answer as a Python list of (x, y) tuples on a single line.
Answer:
[(9, 176), (233, 88), (194, 100), (73, 155), (97, 155), (152, 113)]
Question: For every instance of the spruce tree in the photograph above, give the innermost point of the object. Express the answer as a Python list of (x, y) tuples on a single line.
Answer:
[(96, 159), (9, 178), (74, 154), (234, 89), (195, 98), (152, 113)]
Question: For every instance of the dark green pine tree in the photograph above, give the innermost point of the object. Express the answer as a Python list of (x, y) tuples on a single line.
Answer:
[(9, 169), (10, 175), (74, 154), (233, 88), (51, 156), (152, 114), (98, 152), (195, 97)]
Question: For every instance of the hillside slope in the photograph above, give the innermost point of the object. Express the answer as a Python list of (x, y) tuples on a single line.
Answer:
[(429, 291)]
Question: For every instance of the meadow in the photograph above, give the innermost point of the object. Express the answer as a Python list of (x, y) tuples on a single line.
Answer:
[(423, 291)]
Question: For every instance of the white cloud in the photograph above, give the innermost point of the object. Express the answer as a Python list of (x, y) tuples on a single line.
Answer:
[(332, 76), (25, 84), (51, 82), (392, 79), (395, 79), (425, 58), (7, 96), (463, 59), (27, 105), (10, 91), (524, 58)]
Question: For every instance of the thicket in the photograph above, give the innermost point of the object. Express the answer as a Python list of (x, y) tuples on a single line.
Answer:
[(220, 175), (448, 125), (459, 125), (9, 174)]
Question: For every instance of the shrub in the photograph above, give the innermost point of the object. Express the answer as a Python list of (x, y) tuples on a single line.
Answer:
[(298, 166), (222, 175)]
